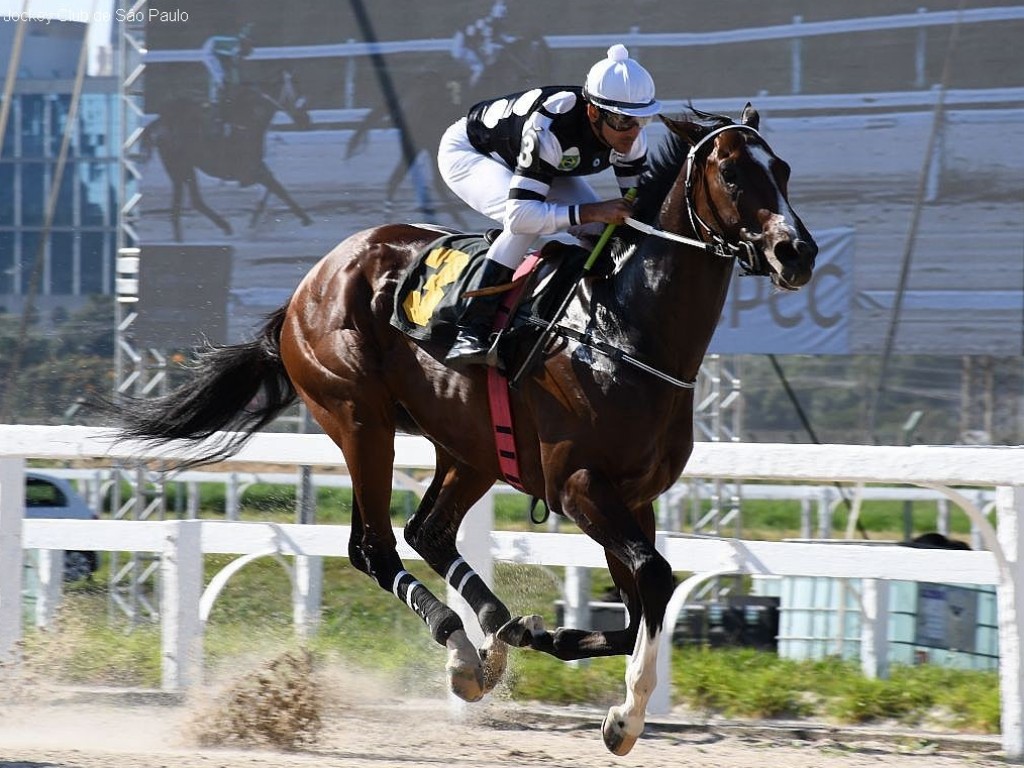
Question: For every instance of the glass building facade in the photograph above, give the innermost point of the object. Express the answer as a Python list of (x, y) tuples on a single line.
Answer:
[(75, 259)]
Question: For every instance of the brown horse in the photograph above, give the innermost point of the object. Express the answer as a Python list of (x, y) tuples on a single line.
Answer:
[(598, 439)]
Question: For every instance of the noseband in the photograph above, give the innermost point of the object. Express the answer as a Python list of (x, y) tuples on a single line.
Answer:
[(751, 260)]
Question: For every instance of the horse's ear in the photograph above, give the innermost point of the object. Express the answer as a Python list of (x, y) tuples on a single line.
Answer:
[(690, 132), (750, 116)]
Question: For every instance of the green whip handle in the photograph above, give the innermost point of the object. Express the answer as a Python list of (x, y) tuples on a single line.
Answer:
[(606, 235)]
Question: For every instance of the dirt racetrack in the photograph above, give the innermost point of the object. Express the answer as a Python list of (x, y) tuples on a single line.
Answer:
[(415, 733)]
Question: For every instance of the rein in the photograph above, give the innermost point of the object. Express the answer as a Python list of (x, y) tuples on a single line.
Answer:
[(587, 339), (749, 258)]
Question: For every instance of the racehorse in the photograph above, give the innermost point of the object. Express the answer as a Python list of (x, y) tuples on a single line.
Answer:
[(598, 439), (188, 138)]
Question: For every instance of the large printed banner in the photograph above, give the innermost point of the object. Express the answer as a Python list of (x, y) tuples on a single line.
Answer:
[(276, 130), (761, 319)]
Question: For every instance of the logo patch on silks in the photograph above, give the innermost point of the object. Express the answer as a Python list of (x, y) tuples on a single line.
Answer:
[(570, 159), (427, 303)]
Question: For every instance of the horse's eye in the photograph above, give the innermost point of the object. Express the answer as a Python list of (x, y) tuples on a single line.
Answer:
[(728, 172)]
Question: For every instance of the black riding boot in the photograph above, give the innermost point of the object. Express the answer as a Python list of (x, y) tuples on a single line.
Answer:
[(473, 341)]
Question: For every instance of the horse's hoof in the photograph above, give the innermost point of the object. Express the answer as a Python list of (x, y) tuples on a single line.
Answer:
[(613, 730), (467, 684), (520, 631), (493, 656), (465, 674), (306, 221)]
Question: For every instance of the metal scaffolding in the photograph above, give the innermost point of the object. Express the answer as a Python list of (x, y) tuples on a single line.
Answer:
[(710, 507), (718, 417), (138, 373)]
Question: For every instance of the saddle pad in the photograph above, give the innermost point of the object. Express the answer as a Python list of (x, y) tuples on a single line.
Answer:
[(428, 302)]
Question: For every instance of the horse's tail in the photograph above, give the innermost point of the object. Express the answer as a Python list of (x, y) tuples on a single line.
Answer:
[(235, 390), (357, 142)]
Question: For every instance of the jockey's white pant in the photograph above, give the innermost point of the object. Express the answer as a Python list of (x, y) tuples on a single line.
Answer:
[(216, 72), (482, 182)]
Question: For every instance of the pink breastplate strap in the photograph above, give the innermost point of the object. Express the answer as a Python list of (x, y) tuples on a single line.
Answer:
[(497, 388)]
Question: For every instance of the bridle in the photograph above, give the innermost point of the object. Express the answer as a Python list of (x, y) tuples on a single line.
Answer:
[(751, 260)]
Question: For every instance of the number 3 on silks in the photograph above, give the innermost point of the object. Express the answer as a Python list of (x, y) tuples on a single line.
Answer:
[(530, 144)]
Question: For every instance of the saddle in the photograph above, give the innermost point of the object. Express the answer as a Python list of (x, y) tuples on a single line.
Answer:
[(430, 299)]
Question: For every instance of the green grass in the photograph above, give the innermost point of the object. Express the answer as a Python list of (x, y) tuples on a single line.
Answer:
[(762, 519), (83, 648), (365, 627)]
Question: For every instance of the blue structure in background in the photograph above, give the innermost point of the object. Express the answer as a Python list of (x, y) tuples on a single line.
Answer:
[(78, 256)]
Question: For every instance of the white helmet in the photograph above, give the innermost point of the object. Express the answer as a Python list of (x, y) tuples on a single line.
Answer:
[(620, 84)]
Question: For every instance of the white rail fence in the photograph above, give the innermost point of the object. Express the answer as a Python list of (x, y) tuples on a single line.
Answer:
[(817, 503), (185, 603), (794, 32)]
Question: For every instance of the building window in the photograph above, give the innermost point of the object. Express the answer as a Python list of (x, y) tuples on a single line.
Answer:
[(6, 262), (30, 241), (94, 177), (7, 194), (32, 125), (95, 255), (33, 194), (74, 262), (64, 212), (62, 263), (59, 106)]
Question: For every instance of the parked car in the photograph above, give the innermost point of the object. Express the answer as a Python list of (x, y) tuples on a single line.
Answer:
[(48, 497)]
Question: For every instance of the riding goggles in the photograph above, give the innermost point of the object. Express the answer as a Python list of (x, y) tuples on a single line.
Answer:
[(622, 123)]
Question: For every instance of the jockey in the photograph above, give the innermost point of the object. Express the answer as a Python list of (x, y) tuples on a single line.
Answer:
[(520, 159), (223, 55)]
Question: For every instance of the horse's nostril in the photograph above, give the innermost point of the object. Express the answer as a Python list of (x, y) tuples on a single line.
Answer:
[(806, 249), (797, 279)]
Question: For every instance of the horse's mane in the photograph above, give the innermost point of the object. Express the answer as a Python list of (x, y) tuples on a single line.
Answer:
[(666, 163)]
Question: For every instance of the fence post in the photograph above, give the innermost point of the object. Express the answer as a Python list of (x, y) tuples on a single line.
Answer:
[(805, 518), (874, 628), (474, 544), (921, 53), (577, 596), (942, 516), (12, 511), (192, 505), (577, 601), (50, 577), (181, 582), (825, 513), (350, 79), (232, 497), (308, 595), (1010, 533), (796, 58)]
